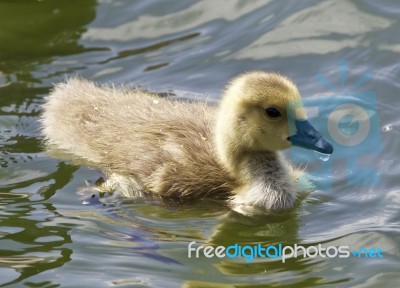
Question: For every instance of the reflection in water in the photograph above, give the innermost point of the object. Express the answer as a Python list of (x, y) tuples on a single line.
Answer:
[(152, 26), (127, 53), (33, 33), (302, 32), (29, 245), (147, 228)]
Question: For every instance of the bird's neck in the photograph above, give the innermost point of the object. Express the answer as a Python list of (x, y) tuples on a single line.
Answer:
[(229, 152), (265, 183), (263, 176), (242, 163)]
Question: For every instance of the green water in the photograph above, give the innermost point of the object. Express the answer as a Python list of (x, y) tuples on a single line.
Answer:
[(49, 238)]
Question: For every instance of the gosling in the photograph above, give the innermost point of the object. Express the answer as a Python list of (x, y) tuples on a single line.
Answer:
[(182, 150)]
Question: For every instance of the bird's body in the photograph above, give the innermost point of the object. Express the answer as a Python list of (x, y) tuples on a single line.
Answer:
[(176, 149)]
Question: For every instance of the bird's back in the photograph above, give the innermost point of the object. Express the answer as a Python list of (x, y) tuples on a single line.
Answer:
[(167, 145)]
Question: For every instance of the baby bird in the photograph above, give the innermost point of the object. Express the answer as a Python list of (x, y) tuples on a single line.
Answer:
[(187, 151)]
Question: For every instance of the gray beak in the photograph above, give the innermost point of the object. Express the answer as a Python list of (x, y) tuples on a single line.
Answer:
[(310, 138)]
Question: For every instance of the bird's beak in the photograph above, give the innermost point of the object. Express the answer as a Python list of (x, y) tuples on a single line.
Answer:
[(310, 138)]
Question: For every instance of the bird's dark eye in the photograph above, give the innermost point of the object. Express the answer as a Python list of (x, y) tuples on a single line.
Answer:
[(273, 112)]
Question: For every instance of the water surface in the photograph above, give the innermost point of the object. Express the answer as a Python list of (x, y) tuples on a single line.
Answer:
[(49, 238)]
